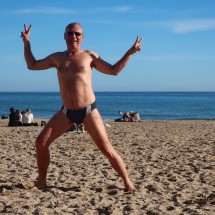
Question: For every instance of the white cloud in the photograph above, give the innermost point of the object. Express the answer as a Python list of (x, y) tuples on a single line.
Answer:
[(172, 57), (185, 26), (59, 11), (122, 9), (188, 26), (45, 10)]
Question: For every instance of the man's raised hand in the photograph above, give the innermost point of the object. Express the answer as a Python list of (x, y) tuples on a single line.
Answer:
[(137, 45), (26, 34)]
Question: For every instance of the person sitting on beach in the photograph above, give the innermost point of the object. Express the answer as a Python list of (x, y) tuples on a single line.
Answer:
[(74, 70), (19, 117), (13, 118), (129, 117), (135, 117), (28, 118)]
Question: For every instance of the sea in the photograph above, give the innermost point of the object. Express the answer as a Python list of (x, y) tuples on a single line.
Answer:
[(150, 105)]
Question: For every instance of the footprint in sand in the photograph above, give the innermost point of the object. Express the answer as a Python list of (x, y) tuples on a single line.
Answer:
[(113, 192)]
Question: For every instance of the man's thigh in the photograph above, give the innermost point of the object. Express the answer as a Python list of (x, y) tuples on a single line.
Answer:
[(95, 127), (55, 127)]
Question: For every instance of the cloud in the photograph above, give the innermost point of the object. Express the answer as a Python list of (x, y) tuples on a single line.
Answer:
[(59, 11), (45, 10), (184, 57), (122, 9), (182, 26), (188, 26)]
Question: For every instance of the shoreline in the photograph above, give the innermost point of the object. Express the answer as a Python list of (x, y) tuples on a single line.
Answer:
[(142, 120), (170, 162)]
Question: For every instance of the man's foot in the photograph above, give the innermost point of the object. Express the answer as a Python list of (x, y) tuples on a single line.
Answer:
[(40, 186), (129, 187)]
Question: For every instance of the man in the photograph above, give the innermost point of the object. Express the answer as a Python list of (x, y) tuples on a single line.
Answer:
[(74, 70)]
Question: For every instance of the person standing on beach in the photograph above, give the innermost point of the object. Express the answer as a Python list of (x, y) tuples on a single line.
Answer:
[(74, 70)]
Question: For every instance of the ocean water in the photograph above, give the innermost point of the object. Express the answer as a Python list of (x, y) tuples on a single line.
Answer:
[(150, 105)]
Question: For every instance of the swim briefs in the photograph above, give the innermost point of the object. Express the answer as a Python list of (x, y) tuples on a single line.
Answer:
[(77, 116)]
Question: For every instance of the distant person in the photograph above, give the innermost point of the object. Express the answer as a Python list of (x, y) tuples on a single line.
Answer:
[(19, 117), (13, 118), (77, 128), (128, 117), (4, 117), (28, 119), (74, 70), (80, 128), (120, 112), (135, 117)]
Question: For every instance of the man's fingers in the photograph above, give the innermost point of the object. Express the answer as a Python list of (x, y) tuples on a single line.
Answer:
[(137, 39), (29, 28), (140, 40)]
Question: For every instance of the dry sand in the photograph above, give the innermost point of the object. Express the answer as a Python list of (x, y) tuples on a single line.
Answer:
[(172, 164)]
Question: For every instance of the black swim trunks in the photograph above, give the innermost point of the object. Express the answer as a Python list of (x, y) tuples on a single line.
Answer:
[(77, 116)]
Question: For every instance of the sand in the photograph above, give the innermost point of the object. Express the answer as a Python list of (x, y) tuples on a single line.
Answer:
[(172, 164)]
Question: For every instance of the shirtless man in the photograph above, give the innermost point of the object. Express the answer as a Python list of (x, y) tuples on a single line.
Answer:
[(74, 70)]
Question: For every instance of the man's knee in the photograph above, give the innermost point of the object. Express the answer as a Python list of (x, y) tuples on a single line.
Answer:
[(41, 143), (110, 153)]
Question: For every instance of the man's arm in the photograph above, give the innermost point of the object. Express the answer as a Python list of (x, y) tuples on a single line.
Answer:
[(31, 62), (107, 68)]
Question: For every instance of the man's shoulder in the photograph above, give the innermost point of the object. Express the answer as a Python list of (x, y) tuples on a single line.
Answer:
[(58, 53), (55, 57), (92, 53)]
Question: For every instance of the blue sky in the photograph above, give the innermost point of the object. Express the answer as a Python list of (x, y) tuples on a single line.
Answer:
[(178, 51)]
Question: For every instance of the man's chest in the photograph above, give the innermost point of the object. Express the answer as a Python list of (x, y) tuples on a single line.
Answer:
[(74, 66)]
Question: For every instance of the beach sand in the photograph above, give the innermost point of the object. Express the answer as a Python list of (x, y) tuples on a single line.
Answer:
[(172, 164)]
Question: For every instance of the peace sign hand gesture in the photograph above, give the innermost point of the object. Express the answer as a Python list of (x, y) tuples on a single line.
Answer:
[(137, 46), (26, 35)]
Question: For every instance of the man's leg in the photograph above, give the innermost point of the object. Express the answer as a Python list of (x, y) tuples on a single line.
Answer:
[(56, 126), (95, 126)]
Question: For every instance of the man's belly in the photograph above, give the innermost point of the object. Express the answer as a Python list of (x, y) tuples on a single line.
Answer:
[(77, 100)]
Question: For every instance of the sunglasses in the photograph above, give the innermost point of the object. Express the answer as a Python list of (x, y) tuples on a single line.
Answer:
[(70, 33)]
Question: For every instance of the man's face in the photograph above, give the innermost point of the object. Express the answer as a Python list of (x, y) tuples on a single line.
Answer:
[(74, 36)]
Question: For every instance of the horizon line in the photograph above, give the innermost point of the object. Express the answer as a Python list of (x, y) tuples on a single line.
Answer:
[(128, 91)]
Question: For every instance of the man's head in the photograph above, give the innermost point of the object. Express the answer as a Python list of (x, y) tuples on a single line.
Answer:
[(73, 35), (12, 110), (70, 25)]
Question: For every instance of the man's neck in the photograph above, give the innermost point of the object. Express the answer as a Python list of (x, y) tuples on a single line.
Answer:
[(72, 52)]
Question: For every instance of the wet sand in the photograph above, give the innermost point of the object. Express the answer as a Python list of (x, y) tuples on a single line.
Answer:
[(172, 164)]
